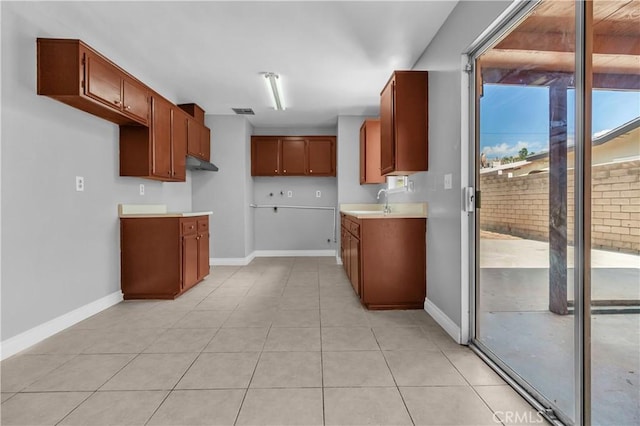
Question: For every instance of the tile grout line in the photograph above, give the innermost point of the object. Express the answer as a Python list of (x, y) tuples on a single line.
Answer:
[(244, 397), (192, 362), (393, 377), (470, 385), (324, 415)]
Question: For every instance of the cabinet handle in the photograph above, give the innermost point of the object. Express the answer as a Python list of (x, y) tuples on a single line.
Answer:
[(117, 102), (310, 171), (169, 173), (285, 171), (275, 171), (128, 107)]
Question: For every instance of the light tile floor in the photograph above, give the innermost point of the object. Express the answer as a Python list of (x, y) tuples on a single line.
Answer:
[(282, 341)]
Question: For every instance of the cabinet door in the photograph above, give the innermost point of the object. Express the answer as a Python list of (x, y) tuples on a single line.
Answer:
[(387, 133), (347, 253), (265, 156), (354, 260), (103, 81), (343, 247), (179, 147), (363, 147), (161, 137), (135, 100), (189, 261), (203, 255), (293, 153), (205, 143), (193, 137), (370, 153), (321, 157)]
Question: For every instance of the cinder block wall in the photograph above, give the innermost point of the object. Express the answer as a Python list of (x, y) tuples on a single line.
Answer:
[(520, 205)]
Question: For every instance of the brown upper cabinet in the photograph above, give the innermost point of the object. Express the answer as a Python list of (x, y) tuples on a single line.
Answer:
[(370, 152), (198, 135), (293, 156), (72, 72), (158, 151), (404, 123), (321, 156), (265, 156)]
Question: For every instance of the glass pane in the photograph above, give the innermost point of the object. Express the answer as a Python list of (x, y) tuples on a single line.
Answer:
[(615, 215), (524, 311)]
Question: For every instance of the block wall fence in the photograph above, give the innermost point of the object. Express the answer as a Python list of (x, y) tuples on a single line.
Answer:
[(519, 205)]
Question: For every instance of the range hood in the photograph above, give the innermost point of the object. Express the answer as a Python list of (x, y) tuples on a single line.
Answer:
[(194, 163)]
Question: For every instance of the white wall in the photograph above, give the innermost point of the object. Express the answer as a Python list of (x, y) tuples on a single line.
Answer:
[(227, 192), (442, 59), (295, 229), (60, 248)]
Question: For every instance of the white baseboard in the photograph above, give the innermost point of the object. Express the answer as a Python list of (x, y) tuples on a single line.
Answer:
[(443, 320), (338, 260), (24, 340), (243, 261), (232, 261), (294, 253)]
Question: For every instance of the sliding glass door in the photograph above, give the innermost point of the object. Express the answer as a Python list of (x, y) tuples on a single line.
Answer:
[(615, 213), (557, 143)]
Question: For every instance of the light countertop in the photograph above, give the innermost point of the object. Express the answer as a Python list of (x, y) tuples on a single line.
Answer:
[(375, 211), (138, 211)]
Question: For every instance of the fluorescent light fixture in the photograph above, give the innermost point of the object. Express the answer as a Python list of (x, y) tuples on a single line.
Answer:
[(273, 84)]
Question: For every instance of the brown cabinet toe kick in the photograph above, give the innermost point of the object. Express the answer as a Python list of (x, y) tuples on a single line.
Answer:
[(161, 258)]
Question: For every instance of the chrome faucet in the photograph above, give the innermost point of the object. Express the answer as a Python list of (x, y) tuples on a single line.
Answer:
[(387, 209)]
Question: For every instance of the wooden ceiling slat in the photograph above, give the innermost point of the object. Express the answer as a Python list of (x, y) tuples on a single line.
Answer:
[(545, 42), (563, 42)]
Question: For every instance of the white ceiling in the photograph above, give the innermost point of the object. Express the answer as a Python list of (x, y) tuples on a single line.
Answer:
[(333, 57)]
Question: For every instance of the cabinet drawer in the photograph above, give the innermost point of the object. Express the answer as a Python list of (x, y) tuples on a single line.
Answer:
[(354, 228), (203, 225), (189, 227)]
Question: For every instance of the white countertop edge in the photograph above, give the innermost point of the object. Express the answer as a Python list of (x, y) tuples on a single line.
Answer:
[(398, 210), (150, 215)]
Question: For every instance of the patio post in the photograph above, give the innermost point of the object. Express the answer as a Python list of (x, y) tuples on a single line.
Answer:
[(558, 198)]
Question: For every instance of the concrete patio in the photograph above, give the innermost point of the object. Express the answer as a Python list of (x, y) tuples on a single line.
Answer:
[(515, 323)]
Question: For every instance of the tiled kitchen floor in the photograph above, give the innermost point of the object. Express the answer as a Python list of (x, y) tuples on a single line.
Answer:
[(283, 341)]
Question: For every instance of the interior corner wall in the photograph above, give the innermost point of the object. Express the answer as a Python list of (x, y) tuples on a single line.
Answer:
[(442, 59), (60, 247), (226, 191), (249, 212)]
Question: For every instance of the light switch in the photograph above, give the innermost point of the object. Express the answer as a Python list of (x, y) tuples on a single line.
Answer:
[(289, 194), (448, 181), (318, 194), (142, 189)]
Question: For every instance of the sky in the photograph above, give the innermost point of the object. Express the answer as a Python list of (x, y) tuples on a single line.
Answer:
[(516, 117)]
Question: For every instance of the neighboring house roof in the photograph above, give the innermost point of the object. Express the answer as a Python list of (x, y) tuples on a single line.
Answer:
[(600, 140)]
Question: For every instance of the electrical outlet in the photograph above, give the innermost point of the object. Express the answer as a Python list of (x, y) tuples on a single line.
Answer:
[(142, 189), (448, 181), (318, 194), (79, 183), (289, 194)]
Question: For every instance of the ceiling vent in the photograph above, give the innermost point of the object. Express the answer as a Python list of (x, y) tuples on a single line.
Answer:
[(243, 111)]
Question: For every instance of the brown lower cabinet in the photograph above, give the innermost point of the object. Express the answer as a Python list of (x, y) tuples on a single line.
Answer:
[(162, 257), (385, 260)]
